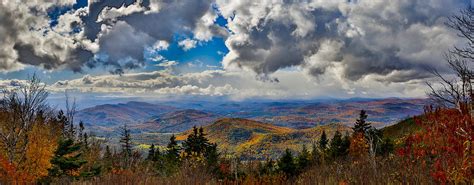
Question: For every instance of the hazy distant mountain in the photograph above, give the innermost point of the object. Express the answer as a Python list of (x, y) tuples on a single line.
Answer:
[(163, 117), (122, 113), (181, 120)]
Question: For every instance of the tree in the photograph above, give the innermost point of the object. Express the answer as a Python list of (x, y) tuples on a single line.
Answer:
[(457, 92), (303, 158), (107, 158), (361, 126), (173, 150), (315, 154), (151, 153), (323, 141), (40, 150), (19, 109), (126, 141), (171, 159), (67, 159), (358, 148), (338, 146), (196, 143), (286, 164)]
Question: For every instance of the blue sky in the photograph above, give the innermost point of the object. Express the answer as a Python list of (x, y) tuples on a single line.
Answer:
[(239, 49)]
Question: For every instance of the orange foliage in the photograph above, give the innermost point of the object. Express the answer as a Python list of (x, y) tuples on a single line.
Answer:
[(43, 143), (359, 147), (445, 144), (9, 173)]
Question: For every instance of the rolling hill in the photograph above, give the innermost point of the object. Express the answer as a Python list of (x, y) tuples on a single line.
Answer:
[(178, 121), (252, 138)]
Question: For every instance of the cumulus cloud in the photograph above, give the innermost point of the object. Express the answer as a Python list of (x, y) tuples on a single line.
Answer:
[(109, 33), (339, 47), (367, 37), (239, 85), (187, 44)]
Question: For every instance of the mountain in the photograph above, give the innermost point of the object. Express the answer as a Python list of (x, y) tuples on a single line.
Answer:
[(253, 138), (402, 128), (179, 121), (111, 115)]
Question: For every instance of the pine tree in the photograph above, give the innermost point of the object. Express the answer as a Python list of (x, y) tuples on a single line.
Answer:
[(126, 141), (335, 144), (303, 158), (315, 154), (173, 150), (107, 158), (339, 146), (361, 126), (67, 158), (286, 164), (323, 141), (346, 144), (151, 153)]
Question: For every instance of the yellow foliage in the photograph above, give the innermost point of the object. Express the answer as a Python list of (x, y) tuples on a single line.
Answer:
[(41, 147)]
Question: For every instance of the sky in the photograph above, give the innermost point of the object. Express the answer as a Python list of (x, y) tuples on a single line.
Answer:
[(233, 49)]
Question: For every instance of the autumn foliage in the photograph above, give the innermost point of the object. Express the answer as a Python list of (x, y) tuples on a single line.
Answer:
[(444, 145)]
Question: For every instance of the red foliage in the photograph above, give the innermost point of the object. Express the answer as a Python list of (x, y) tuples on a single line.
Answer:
[(445, 143), (9, 173)]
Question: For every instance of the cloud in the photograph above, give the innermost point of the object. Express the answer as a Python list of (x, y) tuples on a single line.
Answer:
[(240, 85), (366, 37), (306, 48), (187, 44), (107, 33)]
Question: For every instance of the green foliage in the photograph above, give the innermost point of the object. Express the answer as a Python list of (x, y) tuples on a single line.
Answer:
[(196, 143), (287, 164), (323, 141), (361, 126), (126, 141), (386, 147), (151, 153), (67, 159), (303, 158), (339, 146)]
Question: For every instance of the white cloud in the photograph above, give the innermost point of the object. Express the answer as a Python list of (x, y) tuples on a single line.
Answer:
[(187, 44)]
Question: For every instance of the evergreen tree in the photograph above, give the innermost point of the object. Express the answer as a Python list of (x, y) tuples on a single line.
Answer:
[(346, 144), (339, 146), (107, 162), (334, 146), (303, 158), (108, 153), (169, 162), (361, 126), (173, 150), (126, 141), (151, 153), (323, 141), (386, 147), (315, 154), (286, 164), (67, 158), (212, 158), (196, 143)]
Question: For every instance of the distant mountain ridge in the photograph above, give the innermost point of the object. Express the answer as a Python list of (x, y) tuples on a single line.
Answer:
[(174, 117), (122, 113)]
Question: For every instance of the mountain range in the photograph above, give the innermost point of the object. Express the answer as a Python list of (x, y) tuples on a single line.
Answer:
[(257, 123)]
